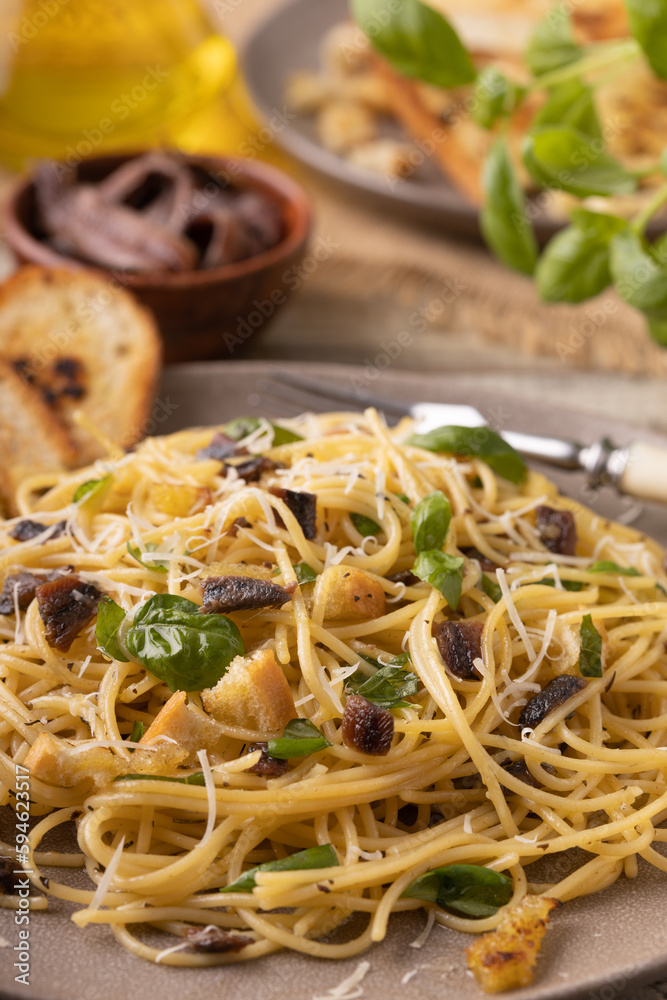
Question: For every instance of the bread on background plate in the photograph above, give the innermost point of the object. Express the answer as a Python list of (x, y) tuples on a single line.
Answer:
[(70, 341)]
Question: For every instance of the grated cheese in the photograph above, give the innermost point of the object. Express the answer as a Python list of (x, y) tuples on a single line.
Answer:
[(514, 615), (170, 951), (210, 793), (408, 976), (349, 988), (107, 878)]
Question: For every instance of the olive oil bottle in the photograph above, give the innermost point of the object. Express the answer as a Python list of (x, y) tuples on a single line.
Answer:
[(83, 77)]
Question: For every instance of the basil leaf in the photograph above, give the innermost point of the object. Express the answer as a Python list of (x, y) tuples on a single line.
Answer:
[(480, 442), (242, 426), (490, 588), (570, 103), (137, 554), (417, 40), (648, 24), (300, 738), (639, 279), (401, 660), (365, 525), (495, 96), (572, 585), (442, 571), (607, 566), (110, 617), (430, 522), (304, 573), (402, 496), (138, 730), (93, 491), (562, 157), (387, 687), (323, 856), (575, 264), (468, 889), (590, 656), (186, 649), (505, 225), (552, 44), (190, 779)]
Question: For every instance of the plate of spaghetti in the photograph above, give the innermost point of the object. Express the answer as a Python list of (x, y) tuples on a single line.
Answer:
[(278, 691)]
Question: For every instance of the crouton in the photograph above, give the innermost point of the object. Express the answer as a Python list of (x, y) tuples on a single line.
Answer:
[(505, 958), (180, 500), (55, 762), (257, 572), (350, 593), (191, 730), (254, 693)]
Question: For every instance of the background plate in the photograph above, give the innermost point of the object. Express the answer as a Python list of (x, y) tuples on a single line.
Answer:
[(598, 948)]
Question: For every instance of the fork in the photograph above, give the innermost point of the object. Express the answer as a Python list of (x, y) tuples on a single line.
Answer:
[(637, 469)]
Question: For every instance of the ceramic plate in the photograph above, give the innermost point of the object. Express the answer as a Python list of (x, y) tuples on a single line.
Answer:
[(598, 948)]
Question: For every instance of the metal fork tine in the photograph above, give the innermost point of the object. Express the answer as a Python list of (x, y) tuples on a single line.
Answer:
[(359, 401)]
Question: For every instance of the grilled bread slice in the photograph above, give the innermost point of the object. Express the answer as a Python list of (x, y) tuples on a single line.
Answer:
[(32, 438), (82, 343)]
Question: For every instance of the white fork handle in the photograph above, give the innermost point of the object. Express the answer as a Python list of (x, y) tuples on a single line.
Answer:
[(645, 472)]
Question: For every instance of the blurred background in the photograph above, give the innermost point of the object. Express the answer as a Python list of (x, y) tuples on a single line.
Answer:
[(394, 273)]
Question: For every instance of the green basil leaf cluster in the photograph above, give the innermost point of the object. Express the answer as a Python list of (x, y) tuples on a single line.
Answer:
[(576, 263), (495, 97), (300, 738), (640, 279), (240, 427), (442, 571), (468, 889), (169, 636), (504, 222), (430, 522), (564, 158), (366, 526), (323, 856), (570, 103), (477, 442), (552, 44), (590, 656), (417, 40), (159, 566), (386, 688)]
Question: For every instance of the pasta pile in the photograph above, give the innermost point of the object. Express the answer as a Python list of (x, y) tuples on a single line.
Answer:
[(460, 780)]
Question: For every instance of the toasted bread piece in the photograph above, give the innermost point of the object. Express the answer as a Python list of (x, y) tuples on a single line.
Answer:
[(191, 730), (32, 439), (505, 959), (82, 343), (350, 593), (254, 693)]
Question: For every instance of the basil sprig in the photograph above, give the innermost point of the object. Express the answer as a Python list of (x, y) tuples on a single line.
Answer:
[(607, 566), (648, 24), (576, 263), (504, 222), (387, 687), (190, 779), (469, 889), (559, 156), (366, 526), (442, 571), (430, 522), (240, 427), (552, 43), (416, 39), (169, 636), (477, 442), (640, 279), (91, 494), (159, 566), (590, 655), (322, 856), (495, 96), (571, 103), (300, 738)]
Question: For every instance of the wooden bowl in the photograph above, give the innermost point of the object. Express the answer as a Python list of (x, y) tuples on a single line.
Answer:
[(208, 313)]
